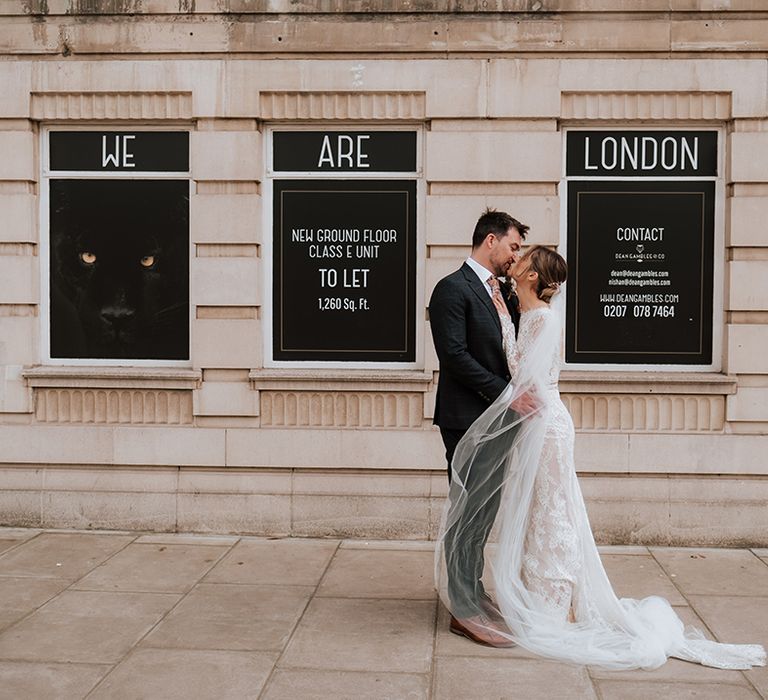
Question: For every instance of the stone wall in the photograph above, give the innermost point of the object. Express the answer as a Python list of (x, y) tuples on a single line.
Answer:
[(227, 445)]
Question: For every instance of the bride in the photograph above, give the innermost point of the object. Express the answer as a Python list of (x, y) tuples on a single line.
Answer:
[(552, 594)]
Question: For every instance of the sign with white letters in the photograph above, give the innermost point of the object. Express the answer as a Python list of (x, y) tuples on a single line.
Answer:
[(344, 151), (115, 151)]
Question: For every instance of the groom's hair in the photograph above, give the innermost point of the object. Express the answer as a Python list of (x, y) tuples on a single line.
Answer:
[(498, 223)]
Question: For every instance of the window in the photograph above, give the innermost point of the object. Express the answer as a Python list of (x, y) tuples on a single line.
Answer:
[(117, 273)]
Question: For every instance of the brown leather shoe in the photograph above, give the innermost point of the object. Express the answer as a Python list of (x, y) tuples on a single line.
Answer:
[(492, 611), (481, 630)]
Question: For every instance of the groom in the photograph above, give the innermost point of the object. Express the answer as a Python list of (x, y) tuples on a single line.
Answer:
[(473, 372)]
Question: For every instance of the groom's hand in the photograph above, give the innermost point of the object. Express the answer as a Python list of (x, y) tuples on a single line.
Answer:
[(525, 404)]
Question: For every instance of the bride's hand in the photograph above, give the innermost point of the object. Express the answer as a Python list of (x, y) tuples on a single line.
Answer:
[(501, 307)]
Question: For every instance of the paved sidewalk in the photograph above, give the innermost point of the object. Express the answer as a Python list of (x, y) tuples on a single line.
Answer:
[(122, 615)]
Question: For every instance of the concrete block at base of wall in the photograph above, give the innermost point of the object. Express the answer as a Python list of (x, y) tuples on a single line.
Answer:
[(643, 509), (360, 516), (84, 510), (250, 514), (21, 508)]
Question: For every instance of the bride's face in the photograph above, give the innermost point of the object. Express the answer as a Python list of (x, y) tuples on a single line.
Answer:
[(524, 276)]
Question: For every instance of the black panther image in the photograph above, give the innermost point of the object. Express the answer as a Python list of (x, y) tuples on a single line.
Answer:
[(119, 269)]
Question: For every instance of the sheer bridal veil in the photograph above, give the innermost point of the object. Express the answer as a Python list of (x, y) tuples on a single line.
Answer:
[(495, 466)]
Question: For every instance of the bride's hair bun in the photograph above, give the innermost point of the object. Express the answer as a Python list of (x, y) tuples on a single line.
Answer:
[(551, 268)]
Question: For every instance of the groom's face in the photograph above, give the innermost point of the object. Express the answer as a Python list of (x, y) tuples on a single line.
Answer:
[(505, 252)]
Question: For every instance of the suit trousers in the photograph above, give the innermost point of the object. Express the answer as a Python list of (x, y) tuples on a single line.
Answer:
[(465, 540)]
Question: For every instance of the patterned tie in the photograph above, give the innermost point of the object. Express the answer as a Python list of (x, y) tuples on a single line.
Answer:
[(498, 300)]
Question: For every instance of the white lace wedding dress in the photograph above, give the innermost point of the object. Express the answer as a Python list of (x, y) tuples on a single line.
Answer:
[(550, 585)]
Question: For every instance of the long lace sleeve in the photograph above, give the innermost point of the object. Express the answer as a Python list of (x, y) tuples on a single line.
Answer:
[(531, 325), (510, 345)]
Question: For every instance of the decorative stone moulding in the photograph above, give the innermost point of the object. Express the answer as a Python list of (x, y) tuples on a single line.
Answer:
[(658, 414), (113, 395), (714, 106), (341, 409), (111, 105), (647, 402), (113, 406), (343, 105)]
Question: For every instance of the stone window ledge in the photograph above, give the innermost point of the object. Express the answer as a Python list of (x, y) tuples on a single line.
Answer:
[(340, 380), (707, 383), (113, 377)]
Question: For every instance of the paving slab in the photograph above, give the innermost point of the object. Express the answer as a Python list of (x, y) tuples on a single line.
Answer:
[(174, 674), (714, 571), (355, 634), (295, 562), (155, 568), (190, 616), (183, 538), (61, 555), (465, 678), (736, 619), (628, 549), (7, 543), (397, 545), (46, 681), (25, 594), (380, 573), (758, 677), (346, 685), (85, 627), (232, 617), (637, 690), (638, 576)]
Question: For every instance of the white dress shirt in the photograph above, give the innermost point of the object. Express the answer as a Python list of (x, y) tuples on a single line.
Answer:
[(482, 273)]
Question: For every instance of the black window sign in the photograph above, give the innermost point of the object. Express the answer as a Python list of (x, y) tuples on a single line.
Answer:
[(344, 151), (119, 269), (641, 261), (119, 151), (641, 153), (344, 270)]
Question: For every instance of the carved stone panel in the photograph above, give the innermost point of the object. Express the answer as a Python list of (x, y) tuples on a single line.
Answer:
[(642, 413), (113, 406), (341, 409)]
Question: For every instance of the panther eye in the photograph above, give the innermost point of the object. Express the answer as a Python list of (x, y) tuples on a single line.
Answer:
[(87, 257), (147, 261)]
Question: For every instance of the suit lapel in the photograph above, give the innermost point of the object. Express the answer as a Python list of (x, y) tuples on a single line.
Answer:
[(482, 293)]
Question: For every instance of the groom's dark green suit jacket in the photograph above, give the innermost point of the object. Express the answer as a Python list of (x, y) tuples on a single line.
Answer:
[(467, 334)]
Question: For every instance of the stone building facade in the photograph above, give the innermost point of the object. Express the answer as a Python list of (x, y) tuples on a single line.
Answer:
[(226, 437)]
